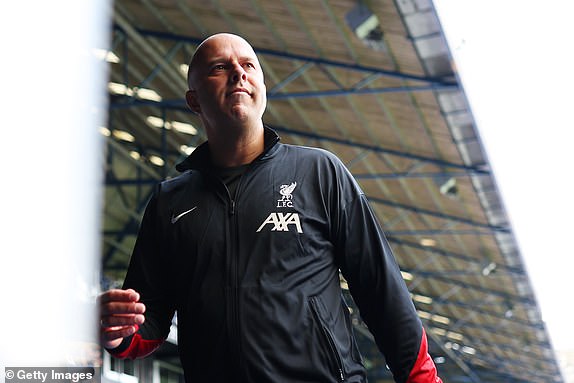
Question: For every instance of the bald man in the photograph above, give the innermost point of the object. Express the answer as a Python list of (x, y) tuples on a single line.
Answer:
[(246, 246)]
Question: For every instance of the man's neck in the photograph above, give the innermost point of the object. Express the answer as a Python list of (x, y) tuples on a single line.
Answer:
[(237, 147)]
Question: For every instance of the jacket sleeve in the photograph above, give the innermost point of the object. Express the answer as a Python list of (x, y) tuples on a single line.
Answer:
[(147, 274), (375, 282)]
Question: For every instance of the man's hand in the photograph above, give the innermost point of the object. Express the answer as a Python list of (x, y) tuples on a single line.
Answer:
[(120, 312)]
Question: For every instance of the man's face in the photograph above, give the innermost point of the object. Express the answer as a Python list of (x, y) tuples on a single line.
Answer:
[(226, 83)]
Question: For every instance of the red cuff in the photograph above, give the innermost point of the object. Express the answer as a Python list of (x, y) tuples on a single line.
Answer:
[(424, 370), (139, 347)]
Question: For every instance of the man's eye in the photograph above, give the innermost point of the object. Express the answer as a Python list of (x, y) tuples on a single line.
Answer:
[(249, 65), (219, 67)]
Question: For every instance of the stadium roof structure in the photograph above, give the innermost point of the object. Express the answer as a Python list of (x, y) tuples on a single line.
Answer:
[(373, 82)]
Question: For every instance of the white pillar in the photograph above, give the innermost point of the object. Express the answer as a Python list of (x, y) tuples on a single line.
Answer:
[(52, 97)]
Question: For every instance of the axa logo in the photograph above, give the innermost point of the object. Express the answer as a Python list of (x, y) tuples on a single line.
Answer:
[(286, 192), (281, 222)]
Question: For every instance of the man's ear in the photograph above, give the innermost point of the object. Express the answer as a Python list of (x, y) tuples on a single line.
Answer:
[(191, 99)]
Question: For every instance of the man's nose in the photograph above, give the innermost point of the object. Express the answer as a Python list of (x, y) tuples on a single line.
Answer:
[(238, 73)]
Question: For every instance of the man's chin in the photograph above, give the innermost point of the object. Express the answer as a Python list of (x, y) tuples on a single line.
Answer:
[(241, 113)]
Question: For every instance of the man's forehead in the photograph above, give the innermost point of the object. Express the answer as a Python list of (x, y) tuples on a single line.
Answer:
[(219, 47), (222, 45)]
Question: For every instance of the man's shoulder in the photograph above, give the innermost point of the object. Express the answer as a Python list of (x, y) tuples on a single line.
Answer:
[(177, 182), (310, 152), (328, 167)]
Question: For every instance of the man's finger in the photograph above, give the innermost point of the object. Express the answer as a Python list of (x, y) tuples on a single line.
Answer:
[(114, 333), (122, 320), (113, 308), (118, 295)]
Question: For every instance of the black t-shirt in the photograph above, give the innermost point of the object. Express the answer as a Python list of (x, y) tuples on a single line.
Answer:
[(230, 176)]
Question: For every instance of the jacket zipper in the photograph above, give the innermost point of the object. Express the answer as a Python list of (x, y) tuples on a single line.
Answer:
[(234, 272), (233, 281), (329, 338), (234, 269), (231, 237)]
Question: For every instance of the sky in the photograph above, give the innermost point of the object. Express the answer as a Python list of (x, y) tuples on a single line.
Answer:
[(515, 61)]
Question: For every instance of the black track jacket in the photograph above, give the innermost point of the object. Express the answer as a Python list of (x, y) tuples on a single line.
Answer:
[(255, 279)]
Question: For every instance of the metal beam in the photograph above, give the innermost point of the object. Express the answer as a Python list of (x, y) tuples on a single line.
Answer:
[(433, 232), (456, 358), (439, 175), (501, 294), (292, 77), (439, 81), (133, 34), (159, 66), (479, 307), (179, 104), (379, 149), (361, 91), (516, 272), (436, 214)]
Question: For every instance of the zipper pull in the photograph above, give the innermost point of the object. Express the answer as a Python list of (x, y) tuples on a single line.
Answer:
[(232, 208)]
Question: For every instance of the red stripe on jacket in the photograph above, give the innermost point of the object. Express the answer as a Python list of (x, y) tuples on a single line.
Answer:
[(424, 370), (139, 347)]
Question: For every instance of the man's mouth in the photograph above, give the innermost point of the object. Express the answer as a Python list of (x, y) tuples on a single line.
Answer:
[(239, 90)]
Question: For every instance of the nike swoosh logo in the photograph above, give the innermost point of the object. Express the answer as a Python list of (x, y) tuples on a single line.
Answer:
[(175, 218)]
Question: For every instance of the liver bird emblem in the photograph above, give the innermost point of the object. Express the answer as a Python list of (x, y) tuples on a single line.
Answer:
[(286, 190)]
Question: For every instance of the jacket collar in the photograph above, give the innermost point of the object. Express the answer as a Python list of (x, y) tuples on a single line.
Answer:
[(200, 158)]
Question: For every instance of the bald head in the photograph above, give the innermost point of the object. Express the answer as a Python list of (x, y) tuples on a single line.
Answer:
[(226, 84), (204, 49)]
